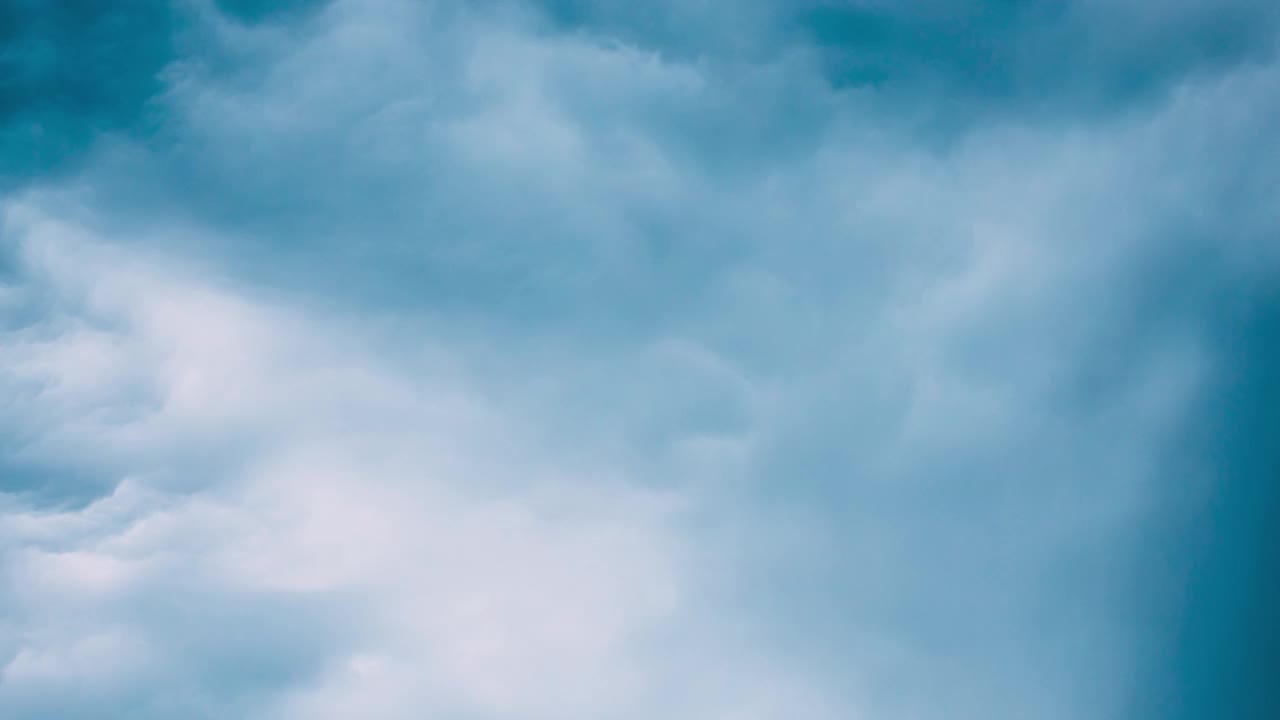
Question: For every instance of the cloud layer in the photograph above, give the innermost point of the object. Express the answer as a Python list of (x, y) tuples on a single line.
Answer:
[(587, 360)]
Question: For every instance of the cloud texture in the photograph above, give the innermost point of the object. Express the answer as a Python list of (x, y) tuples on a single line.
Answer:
[(393, 359)]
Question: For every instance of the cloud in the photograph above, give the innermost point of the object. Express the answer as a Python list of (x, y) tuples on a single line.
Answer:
[(553, 360), (378, 540)]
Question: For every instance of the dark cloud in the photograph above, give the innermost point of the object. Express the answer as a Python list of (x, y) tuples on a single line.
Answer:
[(941, 62), (1057, 56), (253, 11), (72, 71), (1211, 591)]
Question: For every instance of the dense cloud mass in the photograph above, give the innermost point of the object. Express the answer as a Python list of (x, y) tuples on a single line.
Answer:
[(535, 359)]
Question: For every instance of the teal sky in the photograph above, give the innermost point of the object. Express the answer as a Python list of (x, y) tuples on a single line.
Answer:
[(603, 360)]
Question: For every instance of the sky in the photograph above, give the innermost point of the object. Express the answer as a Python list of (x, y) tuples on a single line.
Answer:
[(603, 360)]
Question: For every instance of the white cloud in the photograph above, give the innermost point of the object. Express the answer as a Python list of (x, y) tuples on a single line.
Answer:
[(471, 574)]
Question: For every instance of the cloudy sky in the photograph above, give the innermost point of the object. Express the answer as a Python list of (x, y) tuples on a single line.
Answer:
[(613, 360)]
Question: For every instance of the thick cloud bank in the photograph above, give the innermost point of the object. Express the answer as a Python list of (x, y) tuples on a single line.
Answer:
[(388, 359)]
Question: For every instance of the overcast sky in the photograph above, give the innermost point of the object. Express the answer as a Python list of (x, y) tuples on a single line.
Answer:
[(620, 360)]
